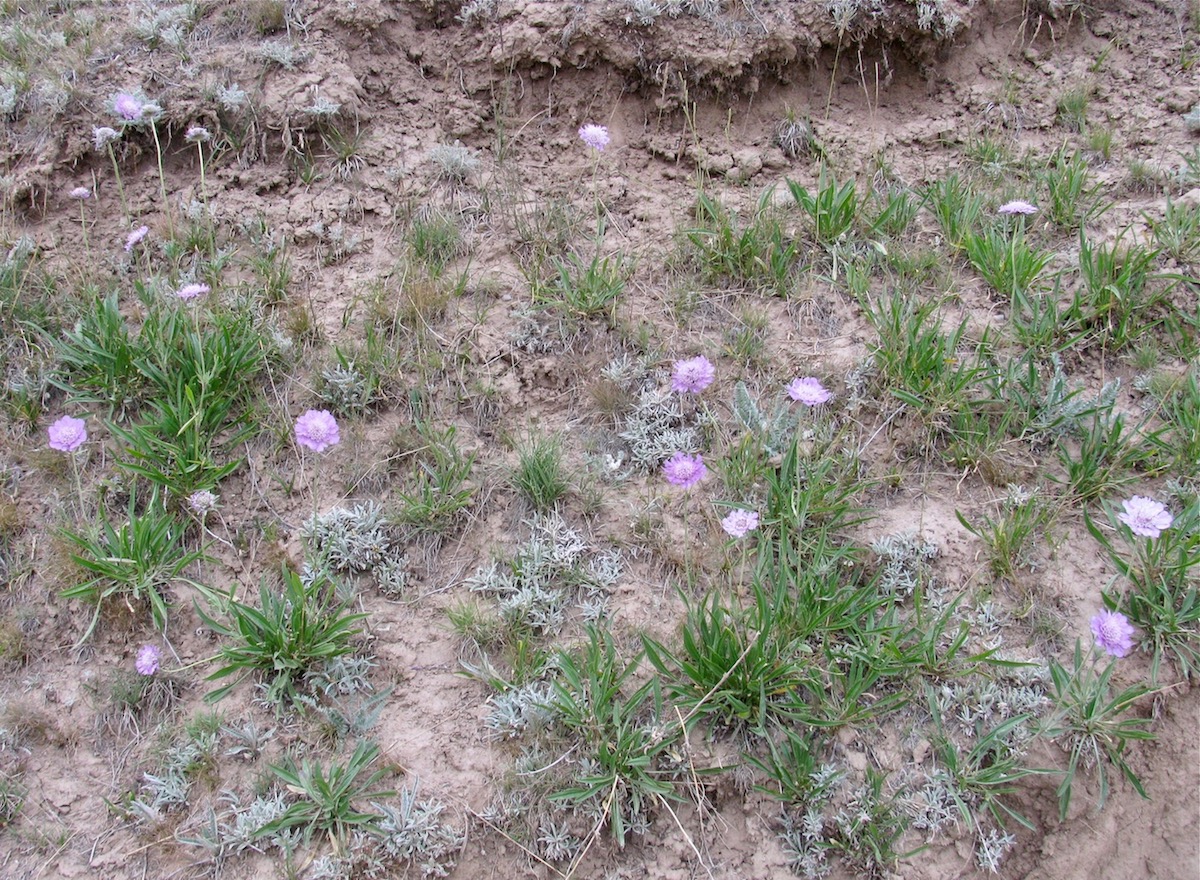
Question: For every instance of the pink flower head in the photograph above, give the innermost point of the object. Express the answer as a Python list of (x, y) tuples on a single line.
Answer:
[(134, 238), (128, 107), (1113, 632), (738, 522), (103, 135), (191, 291), (317, 429), (202, 502), (692, 375), (80, 193), (684, 470), (809, 391), (67, 434), (197, 134), (595, 136), (1017, 206), (1145, 516), (149, 659)]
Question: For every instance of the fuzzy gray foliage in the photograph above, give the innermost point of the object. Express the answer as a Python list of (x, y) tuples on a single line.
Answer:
[(980, 703), (391, 575), (1191, 119), (413, 833), (518, 710), (655, 429), (904, 562), (247, 740), (454, 162), (991, 849), (773, 432), (477, 10), (1062, 408), (533, 587), (556, 841), (345, 390), (349, 539)]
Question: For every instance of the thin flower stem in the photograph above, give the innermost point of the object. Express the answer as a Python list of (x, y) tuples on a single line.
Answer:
[(212, 234), (687, 545), (78, 482), (204, 527), (120, 187), (162, 180), (87, 250)]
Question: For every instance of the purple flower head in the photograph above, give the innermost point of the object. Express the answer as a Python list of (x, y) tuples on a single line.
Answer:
[(692, 375), (80, 193), (134, 238), (317, 429), (809, 391), (595, 136), (738, 522), (1113, 632), (1145, 516), (1017, 206), (127, 107), (191, 291), (103, 135), (684, 470), (67, 434), (149, 659), (202, 502), (197, 134)]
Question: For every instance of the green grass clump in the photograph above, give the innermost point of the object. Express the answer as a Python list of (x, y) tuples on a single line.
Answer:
[(1007, 261), (291, 634), (832, 210), (758, 255), (620, 755), (586, 289), (1116, 299), (135, 562), (327, 797), (540, 475), (735, 667)]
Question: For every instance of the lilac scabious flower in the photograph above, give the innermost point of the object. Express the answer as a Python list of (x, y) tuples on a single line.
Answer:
[(1113, 632), (134, 238), (67, 434), (202, 502), (149, 659), (128, 107), (595, 136), (102, 136), (317, 429), (80, 193), (809, 391), (692, 376), (739, 522), (683, 470), (191, 291), (197, 134), (1145, 516), (1017, 206)]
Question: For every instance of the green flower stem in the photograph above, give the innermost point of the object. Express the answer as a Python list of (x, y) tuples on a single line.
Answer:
[(162, 180)]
